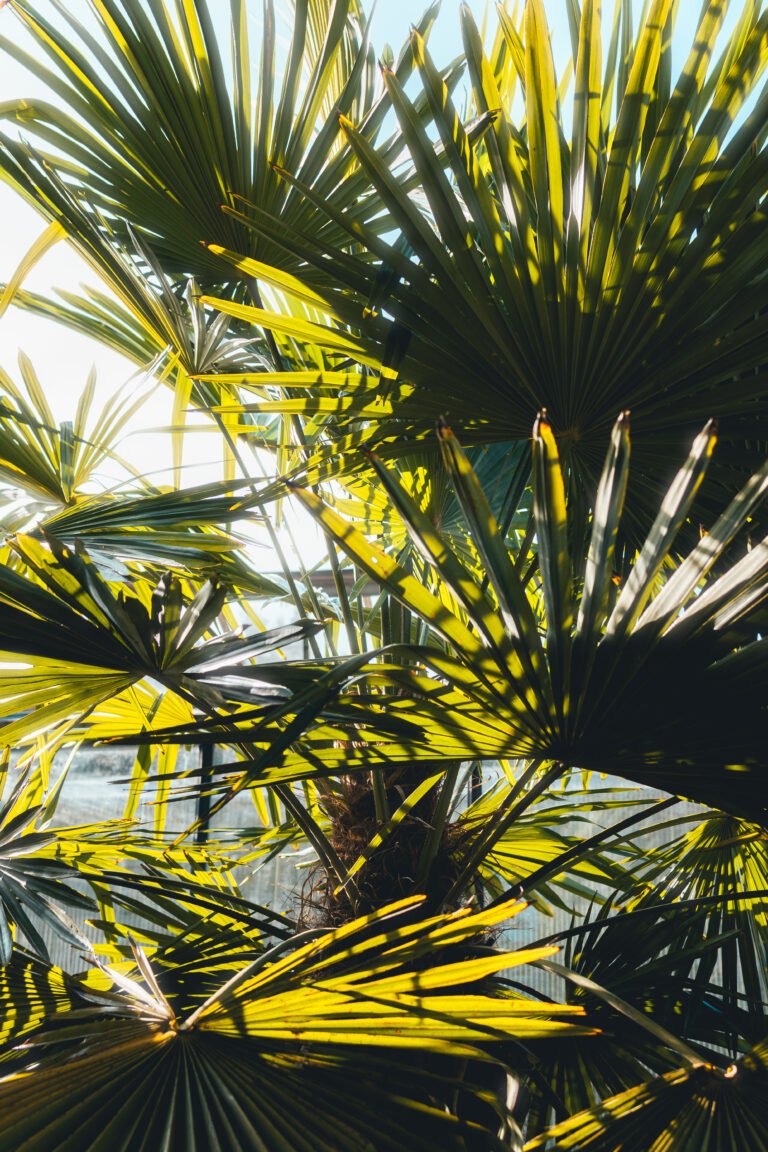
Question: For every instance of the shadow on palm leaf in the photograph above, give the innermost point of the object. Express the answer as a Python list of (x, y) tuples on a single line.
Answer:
[(196, 1047), (654, 674), (572, 255), (178, 127)]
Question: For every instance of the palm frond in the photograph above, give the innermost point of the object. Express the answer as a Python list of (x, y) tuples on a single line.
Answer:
[(629, 660), (705, 1106), (165, 121), (349, 999), (615, 263)]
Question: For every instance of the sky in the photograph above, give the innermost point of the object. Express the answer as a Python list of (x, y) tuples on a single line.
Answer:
[(62, 358)]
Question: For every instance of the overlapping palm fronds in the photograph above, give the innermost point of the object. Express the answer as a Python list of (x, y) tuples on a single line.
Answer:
[(324, 264), (82, 640), (157, 1060), (591, 252), (586, 665), (673, 1002), (46, 867), (167, 115), (719, 865), (698, 1107), (32, 888)]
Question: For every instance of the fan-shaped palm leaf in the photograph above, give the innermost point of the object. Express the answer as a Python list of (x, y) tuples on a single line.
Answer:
[(161, 126), (703, 1107), (347, 1000), (571, 258), (52, 463), (623, 675)]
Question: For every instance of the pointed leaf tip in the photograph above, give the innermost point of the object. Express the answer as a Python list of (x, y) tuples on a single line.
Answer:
[(542, 421)]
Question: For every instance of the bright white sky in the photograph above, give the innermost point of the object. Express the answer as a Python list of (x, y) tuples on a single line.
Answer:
[(62, 358)]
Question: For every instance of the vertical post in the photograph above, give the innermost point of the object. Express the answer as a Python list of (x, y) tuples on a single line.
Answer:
[(475, 792), (204, 800)]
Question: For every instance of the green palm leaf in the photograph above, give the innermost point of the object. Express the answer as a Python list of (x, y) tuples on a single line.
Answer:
[(644, 672), (617, 267), (160, 125), (705, 1107), (349, 999)]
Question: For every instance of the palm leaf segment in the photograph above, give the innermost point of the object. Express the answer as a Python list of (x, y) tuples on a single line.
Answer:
[(620, 669), (267, 1059), (584, 261)]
